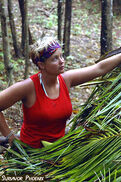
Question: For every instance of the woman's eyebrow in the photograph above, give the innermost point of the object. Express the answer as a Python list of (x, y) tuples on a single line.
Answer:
[(55, 56)]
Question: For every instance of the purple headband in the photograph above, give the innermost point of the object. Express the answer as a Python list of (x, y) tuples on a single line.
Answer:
[(48, 52)]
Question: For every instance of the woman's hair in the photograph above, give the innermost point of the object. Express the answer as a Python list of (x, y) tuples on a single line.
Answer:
[(40, 47)]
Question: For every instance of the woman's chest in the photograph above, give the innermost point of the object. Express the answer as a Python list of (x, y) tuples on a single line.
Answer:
[(49, 110)]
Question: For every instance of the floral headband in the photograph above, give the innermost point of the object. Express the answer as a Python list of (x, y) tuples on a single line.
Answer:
[(48, 52)]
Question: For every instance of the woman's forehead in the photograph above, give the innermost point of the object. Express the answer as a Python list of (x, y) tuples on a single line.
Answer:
[(57, 52)]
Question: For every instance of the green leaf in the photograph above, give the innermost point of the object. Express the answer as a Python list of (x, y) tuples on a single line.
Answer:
[(46, 144)]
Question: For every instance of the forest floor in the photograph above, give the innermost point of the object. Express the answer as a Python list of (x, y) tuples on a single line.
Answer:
[(84, 50)]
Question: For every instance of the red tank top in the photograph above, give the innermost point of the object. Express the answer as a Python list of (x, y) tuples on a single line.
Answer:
[(46, 119)]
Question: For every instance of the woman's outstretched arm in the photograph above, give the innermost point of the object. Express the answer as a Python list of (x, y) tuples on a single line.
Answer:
[(82, 75)]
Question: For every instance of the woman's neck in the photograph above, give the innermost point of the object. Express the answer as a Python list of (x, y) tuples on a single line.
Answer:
[(51, 86), (49, 80)]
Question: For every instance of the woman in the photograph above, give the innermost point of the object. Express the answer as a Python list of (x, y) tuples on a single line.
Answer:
[(45, 95)]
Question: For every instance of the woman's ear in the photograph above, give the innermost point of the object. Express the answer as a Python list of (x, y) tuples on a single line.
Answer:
[(40, 65)]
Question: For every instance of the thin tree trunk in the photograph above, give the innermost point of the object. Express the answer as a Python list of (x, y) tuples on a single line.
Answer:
[(21, 5), (117, 7), (26, 33), (106, 26), (22, 10), (6, 50), (59, 19), (30, 37), (67, 28), (13, 30)]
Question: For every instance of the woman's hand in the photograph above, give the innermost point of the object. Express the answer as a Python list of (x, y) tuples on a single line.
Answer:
[(11, 138)]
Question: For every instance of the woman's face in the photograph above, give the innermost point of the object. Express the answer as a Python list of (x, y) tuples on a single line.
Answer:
[(55, 63)]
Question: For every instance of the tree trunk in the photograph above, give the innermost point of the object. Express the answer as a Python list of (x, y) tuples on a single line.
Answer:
[(106, 26), (26, 38), (6, 51), (59, 19), (21, 5), (67, 27), (22, 10), (30, 37), (117, 6), (13, 30)]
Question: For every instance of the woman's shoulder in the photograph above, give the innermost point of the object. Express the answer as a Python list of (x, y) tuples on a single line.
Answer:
[(29, 83), (24, 87)]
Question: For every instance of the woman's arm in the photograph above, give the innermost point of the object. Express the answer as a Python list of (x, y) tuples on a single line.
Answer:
[(5, 129), (82, 75), (18, 91), (9, 96)]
